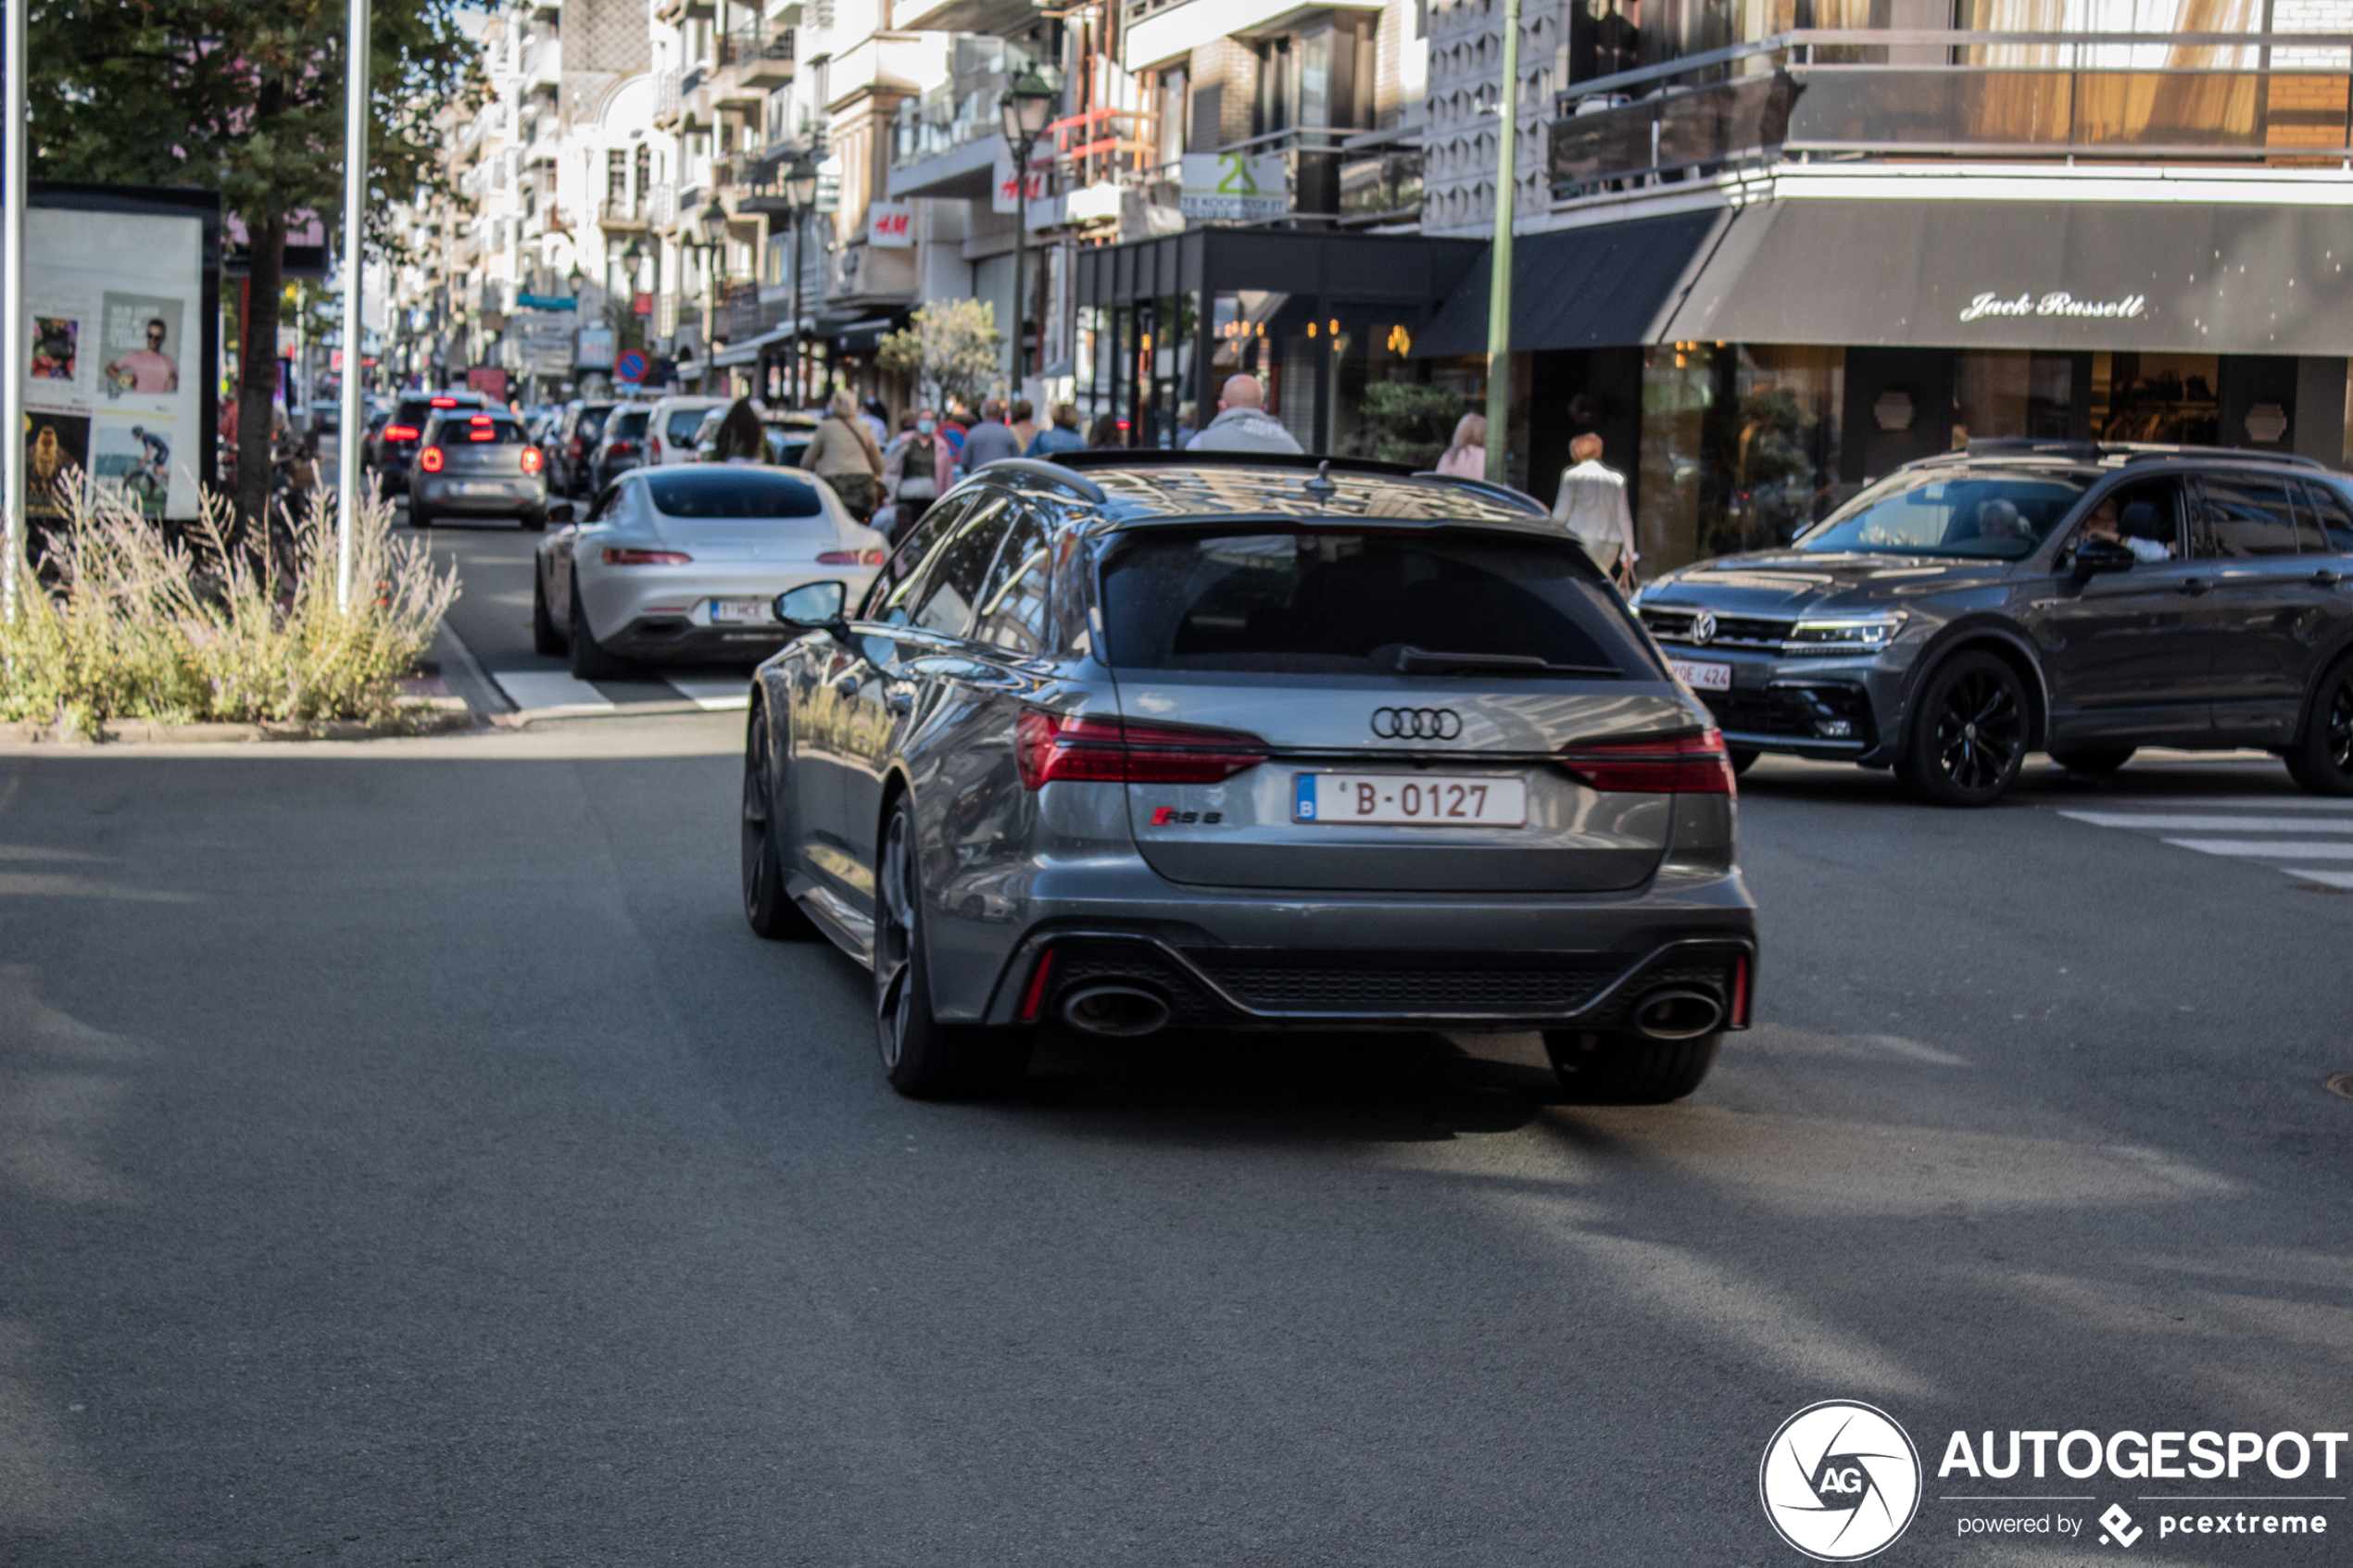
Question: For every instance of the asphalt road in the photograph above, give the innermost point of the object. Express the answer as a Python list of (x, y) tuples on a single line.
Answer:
[(407, 1155)]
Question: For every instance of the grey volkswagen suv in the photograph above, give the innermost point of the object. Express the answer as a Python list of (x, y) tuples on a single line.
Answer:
[(1227, 742), (2082, 600)]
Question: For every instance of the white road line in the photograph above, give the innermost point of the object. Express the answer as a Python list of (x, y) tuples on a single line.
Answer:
[(2235, 803), (2270, 849), (2327, 879), (718, 695), (2208, 824), (543, 691)]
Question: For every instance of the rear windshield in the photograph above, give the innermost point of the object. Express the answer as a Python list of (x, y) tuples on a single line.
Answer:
[(485, 430), (1350, 604), (592, 421), (2000, 515), (683, 423), (417, 410), (630, 426), (733, 492)]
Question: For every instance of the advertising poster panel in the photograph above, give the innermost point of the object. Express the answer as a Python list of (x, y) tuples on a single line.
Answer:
[(120, 285)]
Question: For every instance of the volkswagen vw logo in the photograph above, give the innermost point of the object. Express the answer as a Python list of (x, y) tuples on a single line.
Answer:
[(1703, 628), (1417, 723)]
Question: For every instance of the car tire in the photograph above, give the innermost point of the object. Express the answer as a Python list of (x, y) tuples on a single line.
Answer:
[(2321, 758), (1743, 758), (1968, 734), (924, 1057), (589, 659), (547, 637), (1628, 1070), (533, 522), (767, 906), (2093, 761)]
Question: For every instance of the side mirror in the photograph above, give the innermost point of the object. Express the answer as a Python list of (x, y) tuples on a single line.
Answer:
[(560, 512), (813, 607), (2093, 557)]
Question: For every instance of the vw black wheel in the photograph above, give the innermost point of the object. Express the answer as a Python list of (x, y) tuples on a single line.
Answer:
[(767, 905), (922, 1056), (2321, 758), (1969, 734)]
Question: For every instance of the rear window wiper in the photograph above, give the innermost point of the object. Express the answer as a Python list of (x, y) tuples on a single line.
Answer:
[(1411, 660)]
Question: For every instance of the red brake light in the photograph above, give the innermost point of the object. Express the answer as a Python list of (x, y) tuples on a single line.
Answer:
[(579, 445), (1048, 747), (400, 432), (1665, 765), (850, 557), (1739, 993), (430, 459), (645, 557), (653, 444), (532, 460), (445, 403), (481, 418), (1036, 996)]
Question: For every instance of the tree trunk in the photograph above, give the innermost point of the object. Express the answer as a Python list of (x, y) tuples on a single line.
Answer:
[(257, 370)]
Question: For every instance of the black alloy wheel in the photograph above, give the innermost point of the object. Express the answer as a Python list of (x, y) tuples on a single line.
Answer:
[(2321, 758), (767, 905), (1628, 1070), (1969, 734), (589, 659), (2095, 759), (922, 1057)]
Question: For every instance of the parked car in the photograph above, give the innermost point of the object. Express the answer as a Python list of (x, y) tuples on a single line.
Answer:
[(623, 447), (2072, 599), (1182, 739), (391, 451), (787, 436), (682, 565), (575, 448), (669, 437), (476, 463)]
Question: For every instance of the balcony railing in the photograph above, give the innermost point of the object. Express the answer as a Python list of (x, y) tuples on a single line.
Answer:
[(666, 98), (2277, 98), (964, 110), (760, 58)]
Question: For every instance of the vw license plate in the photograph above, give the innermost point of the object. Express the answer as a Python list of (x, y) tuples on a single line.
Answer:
[(1421, 799), (741, 612), (1703, 677)]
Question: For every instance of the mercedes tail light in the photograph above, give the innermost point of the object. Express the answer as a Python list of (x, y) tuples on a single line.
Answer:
[(850, 557), (1048, 747), (1687, 764), (401, 433), (645, 557), (431, 460), (532, 460)]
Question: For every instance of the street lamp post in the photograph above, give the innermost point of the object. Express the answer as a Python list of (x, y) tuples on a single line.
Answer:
[(1499, 286), (13, 357), (355, 228), (800, 191), (633, 266), (1025, 110), (711, 226)]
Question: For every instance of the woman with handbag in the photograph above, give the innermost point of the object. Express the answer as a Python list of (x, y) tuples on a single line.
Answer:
[(844, 455)]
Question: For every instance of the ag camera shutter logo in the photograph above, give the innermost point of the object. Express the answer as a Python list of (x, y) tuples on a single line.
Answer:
[(1840, 1481)]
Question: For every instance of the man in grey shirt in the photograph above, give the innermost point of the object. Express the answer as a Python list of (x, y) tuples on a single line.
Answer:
[(989, 440), (1242, 423)]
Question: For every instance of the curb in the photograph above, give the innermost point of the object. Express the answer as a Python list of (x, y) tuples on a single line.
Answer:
[(424, 716)]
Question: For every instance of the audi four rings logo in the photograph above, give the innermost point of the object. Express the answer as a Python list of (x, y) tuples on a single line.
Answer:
[(1703, 628), (1417, 723)]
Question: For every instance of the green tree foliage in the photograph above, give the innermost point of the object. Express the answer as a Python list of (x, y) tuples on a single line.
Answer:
[(1410, 421), (949, 350), (245, 97)]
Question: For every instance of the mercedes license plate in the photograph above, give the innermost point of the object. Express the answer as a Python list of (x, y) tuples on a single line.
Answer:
[(741, 612), (1703, 677), (1420, 799)]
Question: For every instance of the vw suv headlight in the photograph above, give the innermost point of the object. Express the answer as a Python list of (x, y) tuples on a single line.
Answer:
[(1843, 633)]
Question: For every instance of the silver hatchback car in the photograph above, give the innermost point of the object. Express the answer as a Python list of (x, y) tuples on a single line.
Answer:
[(1143, 740)]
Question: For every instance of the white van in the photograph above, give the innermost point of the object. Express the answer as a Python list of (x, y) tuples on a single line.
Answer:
[(670, 433)]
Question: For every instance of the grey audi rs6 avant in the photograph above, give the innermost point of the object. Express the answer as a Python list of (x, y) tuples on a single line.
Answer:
[(1217, 740)]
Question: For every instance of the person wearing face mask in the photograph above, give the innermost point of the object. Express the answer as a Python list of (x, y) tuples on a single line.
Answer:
[(913, 468)]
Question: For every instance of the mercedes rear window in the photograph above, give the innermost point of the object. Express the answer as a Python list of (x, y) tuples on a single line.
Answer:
[(1316, 603), (733, 492)]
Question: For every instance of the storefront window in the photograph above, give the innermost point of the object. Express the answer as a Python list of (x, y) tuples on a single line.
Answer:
[(2165, 397), (1378, 409), (1739, 447), (2013, 394)]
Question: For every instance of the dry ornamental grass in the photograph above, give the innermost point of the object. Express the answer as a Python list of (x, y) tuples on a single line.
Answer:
[(135, 625)]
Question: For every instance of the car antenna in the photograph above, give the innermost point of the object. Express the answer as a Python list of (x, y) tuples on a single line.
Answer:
[(1321, 489)]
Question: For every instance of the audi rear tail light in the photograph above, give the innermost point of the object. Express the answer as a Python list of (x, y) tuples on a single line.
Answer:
[(532, 460), (1662, 765), (401, 433), (430, 459), (645, 557), (1048, 746), (849, 558)]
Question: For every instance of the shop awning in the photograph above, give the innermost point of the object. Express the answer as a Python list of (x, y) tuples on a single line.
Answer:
[(2154, 276), (744, 353)]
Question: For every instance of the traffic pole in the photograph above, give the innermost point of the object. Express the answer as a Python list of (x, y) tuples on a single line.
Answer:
[(1499, 283), (13, 360), (355, 224)]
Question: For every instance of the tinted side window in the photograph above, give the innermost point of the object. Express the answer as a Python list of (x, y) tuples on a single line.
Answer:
[(2334, 518), (2246, 515), (887, 600), (951, 581), (683, 424), (1013, 601), (605, 504)]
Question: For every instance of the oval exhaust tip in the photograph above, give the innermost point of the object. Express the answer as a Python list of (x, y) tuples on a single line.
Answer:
[(1117, 1010), (1675, 1012)]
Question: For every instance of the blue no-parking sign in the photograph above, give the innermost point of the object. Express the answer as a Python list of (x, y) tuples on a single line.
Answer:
[(631, 366)]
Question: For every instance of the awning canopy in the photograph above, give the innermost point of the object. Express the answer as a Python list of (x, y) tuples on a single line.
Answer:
[(2149, 276)]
